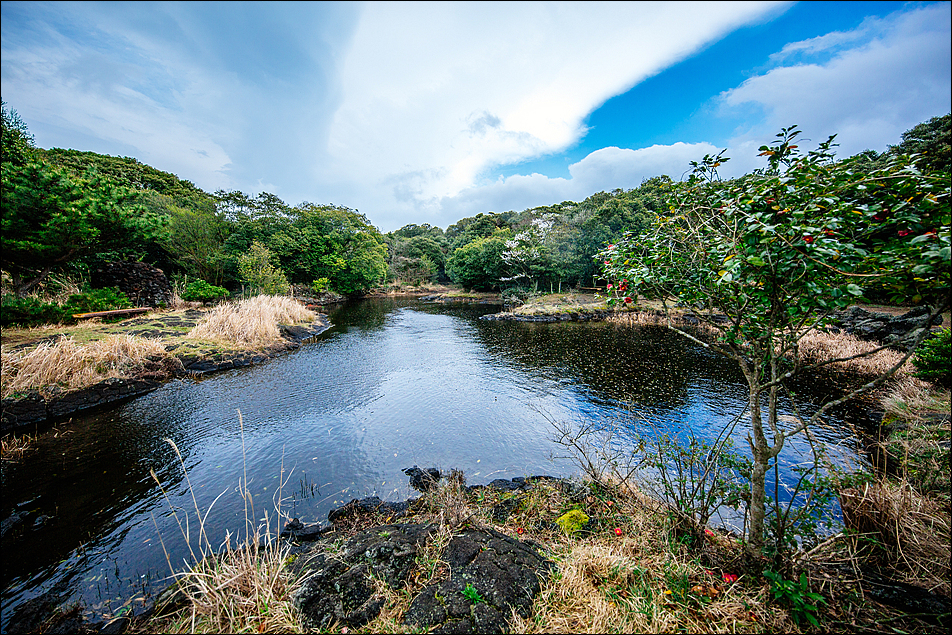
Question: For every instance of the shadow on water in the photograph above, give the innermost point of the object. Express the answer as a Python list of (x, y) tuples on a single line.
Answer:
[(395, 382)]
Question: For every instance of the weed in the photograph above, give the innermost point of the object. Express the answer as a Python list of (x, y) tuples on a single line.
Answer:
[(796, 595), (471, 593)]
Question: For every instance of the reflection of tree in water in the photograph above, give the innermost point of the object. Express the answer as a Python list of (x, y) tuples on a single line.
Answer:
[(87, 477), (648, 366)]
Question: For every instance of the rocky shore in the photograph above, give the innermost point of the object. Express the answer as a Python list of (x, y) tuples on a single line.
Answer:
[(36, 407)]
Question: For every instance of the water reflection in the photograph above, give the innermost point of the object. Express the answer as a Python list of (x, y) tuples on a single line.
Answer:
[(396, 382)]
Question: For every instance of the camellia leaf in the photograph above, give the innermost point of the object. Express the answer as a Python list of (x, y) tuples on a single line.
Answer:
[(854, 289)]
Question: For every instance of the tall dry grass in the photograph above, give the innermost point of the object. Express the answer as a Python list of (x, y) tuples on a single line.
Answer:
[(251, 322), (910, 532), (70, 365), (817, 347), (243, 589)]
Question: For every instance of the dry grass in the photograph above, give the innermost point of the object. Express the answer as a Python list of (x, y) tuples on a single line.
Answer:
[(818, 347), (910, 533), (251, 322), (70, 365), (233, 590), (246, 590), (913, 400), (632, 578), (12, 448)]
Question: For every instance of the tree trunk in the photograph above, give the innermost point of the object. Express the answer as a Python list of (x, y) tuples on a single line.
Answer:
[(758, 476)]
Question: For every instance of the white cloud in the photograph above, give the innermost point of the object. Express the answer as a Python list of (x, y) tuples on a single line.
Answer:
[(419, 76), (603, 170), (897, 75)]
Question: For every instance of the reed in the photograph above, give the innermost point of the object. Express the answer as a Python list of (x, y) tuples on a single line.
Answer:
[(233, 589), (251, 322), (70, 365)]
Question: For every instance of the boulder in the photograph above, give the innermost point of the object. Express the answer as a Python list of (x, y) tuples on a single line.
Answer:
[(488, 575)]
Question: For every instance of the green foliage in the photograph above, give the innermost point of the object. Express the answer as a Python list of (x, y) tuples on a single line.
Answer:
[(28, 311), (777, 252), (124, 171), (259, 273), (31, 311), (572, 521), (51, 218), (478, 265), (796, 596), (311, 242), (932, 141), (471, 593), (17, 142), (321, 285), (201, 291), (933, 359), (104, 299)]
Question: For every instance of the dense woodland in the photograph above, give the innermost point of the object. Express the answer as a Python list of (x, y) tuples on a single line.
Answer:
[(66, 211)]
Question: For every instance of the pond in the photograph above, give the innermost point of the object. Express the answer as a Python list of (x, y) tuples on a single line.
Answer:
[(395, 383)]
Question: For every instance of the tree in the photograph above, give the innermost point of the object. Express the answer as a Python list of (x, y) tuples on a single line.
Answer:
[(51, 218), (478, 264), (932, 140), (258, 271), (17, 142), (767, 258)]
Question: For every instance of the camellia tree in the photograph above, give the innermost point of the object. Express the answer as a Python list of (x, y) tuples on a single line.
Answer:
[(765, 259)]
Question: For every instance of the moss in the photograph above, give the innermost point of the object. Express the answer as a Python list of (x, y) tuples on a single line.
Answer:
[(572, 521)]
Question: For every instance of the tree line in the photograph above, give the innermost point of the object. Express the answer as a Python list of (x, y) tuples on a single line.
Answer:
[(70, 210)]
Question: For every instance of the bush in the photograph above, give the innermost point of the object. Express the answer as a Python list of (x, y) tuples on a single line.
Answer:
[(104, 299), (33, 312), (321, 285), (28, 312), (932, 359), (201, 291)]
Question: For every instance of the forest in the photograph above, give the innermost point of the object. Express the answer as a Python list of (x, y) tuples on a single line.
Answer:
[(64, 212)]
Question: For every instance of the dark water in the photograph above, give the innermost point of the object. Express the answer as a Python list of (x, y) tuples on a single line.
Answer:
[(393, 384)]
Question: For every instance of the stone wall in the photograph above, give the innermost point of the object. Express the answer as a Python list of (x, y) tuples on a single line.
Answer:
[(143, 284)]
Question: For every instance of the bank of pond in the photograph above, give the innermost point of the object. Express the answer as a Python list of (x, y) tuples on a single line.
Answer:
[(396, 382)]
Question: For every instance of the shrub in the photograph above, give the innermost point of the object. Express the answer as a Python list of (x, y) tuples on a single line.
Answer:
[(104, 299), (32, 311), (932, 359), (321, 285), (201, 291), (28, 312)]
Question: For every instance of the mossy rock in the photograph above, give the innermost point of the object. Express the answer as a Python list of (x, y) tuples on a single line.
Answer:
[(572, 521)]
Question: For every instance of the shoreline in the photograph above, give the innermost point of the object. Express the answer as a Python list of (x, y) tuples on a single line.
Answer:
[(35, 409)]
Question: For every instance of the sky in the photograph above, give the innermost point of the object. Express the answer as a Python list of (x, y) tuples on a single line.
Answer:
[(431, 112)]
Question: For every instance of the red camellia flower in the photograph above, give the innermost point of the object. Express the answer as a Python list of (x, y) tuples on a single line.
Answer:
[(628, 300), (903, 232), (617, 531), (729, 577), (609, 284), (829, 232), (808, 239)]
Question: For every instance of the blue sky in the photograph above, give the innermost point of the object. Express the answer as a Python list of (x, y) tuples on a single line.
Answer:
[(430, 112)]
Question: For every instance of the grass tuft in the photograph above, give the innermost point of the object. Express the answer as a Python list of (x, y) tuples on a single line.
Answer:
[(251, 322), (907, 532), (70, 365)]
